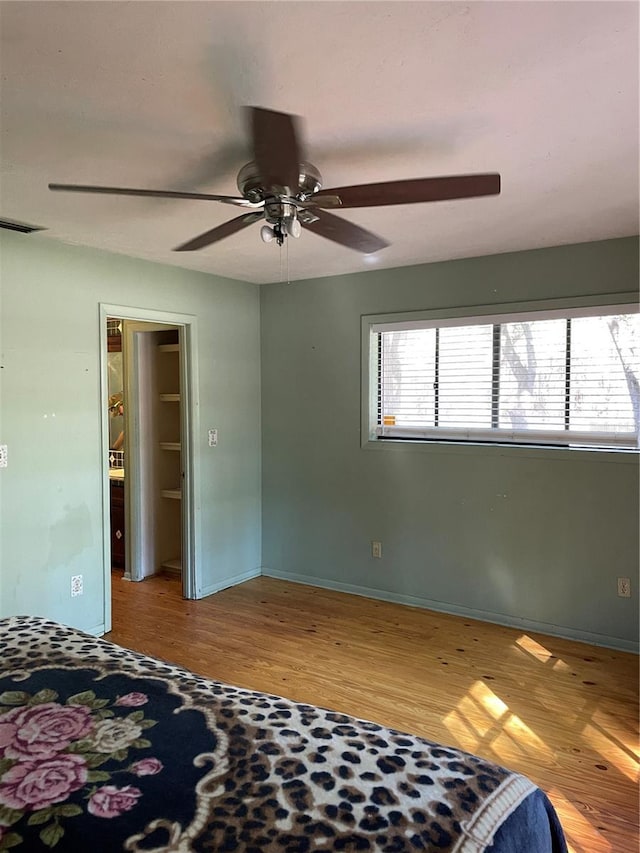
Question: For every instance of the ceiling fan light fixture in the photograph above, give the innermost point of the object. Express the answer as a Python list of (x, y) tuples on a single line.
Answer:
[(267, 234), (294, 229)]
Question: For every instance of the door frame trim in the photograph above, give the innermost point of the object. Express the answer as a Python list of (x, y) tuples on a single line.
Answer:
[(188, 332)]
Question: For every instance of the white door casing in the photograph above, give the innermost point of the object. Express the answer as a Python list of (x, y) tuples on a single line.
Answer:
[(187, 330)]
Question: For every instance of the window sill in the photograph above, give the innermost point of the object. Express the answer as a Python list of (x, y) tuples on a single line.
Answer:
[(514, 451)]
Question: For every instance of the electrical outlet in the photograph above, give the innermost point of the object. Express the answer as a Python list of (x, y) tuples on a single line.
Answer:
[(376, 549), (76, 585), (624, 587), (3, 456)]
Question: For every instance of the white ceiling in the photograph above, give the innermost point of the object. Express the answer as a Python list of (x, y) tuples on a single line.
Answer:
[(149, 94)]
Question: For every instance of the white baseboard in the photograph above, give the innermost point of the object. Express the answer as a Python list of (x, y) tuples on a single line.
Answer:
[(232, 581), (96, 631), (456, 610)]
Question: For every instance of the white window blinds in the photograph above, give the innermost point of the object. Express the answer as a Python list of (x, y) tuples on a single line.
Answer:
[(562, 377)]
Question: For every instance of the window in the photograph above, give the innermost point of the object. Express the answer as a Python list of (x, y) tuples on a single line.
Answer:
[(568, 377)]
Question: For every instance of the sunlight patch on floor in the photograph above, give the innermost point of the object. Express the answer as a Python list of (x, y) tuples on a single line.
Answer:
[(610, 751), (528, 644), (488, 700), (464, 734), (625, 738), (527, 739), (477, 718), (574, 822), (482, 717)]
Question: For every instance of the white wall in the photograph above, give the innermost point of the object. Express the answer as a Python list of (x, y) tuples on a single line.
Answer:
[(50, 417)]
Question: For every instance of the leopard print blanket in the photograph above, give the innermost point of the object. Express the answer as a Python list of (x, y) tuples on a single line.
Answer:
[(105, 749)]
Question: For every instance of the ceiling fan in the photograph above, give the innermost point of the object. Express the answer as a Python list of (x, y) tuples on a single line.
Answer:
[(279, 186)]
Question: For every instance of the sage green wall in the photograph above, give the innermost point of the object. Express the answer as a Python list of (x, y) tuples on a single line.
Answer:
[(51, 493), (517, 536), (524, 537)]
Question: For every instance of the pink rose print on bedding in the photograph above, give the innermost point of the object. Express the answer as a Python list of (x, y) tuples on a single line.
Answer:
[(42, 731), (58, 761), (147, 767), (32, 785), (110, 801), (132, 700)]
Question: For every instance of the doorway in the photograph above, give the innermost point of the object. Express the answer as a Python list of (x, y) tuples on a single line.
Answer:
[(147, 446)]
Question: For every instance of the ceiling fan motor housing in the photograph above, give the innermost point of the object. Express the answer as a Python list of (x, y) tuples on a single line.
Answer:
[(279, 211), (251, 183)]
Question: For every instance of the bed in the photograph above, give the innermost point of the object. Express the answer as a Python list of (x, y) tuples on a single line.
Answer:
[(103, 749)]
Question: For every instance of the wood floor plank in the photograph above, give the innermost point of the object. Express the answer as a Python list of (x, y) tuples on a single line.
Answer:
[(561, 712)]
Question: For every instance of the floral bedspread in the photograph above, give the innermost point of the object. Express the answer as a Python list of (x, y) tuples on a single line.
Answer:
[(103, 749)]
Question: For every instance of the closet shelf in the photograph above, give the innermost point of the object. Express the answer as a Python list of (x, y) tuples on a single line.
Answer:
[(170, 445), (170, 398), (169, 347), (174, 494)]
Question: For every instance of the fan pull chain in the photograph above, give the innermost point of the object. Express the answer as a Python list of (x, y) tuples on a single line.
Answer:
[(287, 244), (280, 247)]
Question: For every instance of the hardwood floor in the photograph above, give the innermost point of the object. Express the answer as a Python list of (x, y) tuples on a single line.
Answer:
[(561, 712)]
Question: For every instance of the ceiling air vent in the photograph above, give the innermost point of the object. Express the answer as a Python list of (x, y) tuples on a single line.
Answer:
[(22, 227)]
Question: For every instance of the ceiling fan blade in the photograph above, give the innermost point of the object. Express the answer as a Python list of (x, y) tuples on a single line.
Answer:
[(342, 231), (81, 188), (409, 192), (219, 232), (277, 150)]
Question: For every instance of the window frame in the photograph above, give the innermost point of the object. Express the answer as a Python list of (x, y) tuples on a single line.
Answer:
[(476, 315)]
